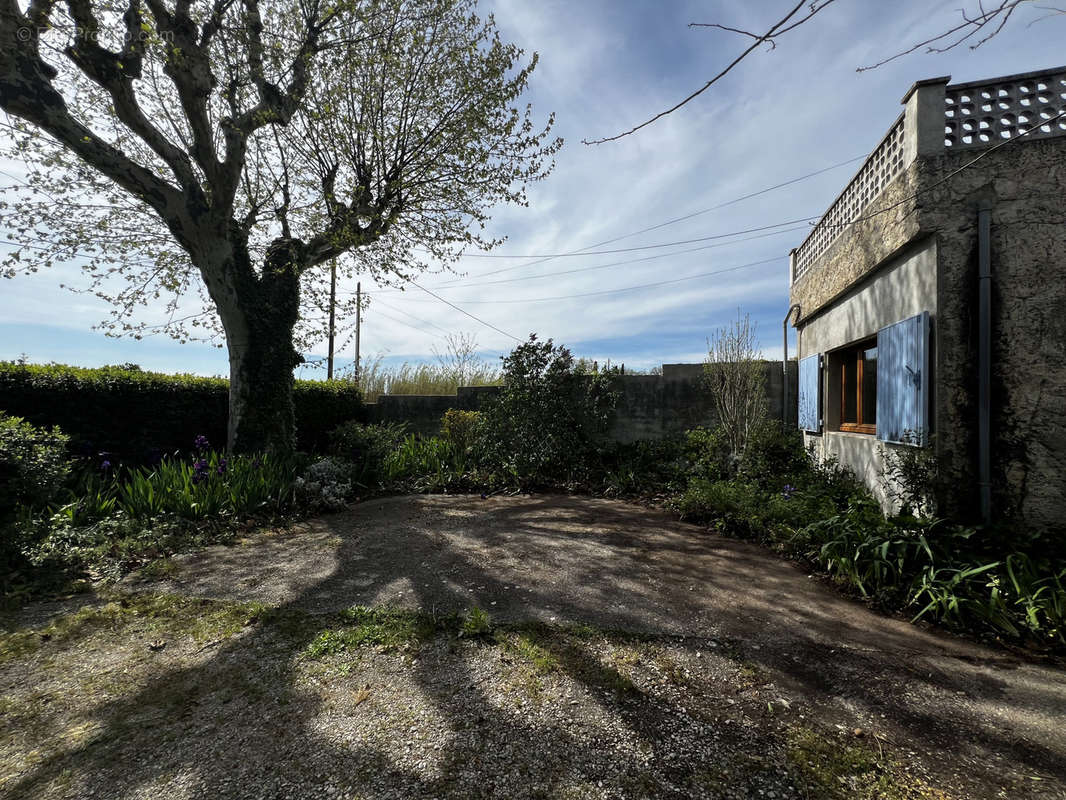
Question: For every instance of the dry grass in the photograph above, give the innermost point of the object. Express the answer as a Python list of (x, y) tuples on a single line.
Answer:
[(375, 379)]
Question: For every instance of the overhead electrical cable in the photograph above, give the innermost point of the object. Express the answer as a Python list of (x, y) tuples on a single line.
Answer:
[(675, 220), (646, 246), (467, 313), (614, 291), (467, 284), (377, 299)]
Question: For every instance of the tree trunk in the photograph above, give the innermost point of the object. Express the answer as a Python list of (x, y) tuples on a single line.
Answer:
[(259, 332)]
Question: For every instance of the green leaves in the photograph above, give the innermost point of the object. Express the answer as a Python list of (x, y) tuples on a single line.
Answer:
[(548, 418)]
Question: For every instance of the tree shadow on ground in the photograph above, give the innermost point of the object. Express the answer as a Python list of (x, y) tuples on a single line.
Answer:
[(173, 725)]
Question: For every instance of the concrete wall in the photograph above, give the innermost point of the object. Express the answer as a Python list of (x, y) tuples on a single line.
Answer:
[(649, 406)]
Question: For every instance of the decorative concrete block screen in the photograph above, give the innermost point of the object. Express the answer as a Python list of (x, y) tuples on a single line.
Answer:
[(986, 112), (884, 164)]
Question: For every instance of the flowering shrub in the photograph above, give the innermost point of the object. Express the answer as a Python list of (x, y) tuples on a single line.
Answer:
[(327, 485)]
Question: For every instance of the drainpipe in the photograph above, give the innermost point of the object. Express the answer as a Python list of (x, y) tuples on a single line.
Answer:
[(784, 362), (984, 360)]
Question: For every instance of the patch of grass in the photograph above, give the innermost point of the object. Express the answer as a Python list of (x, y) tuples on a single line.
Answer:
[(157, 570), (526, 646), (159, 614), (477, 623), (831, 769), (389, 628)]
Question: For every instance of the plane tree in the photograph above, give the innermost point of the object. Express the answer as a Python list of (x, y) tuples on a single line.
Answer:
[(204, 161)]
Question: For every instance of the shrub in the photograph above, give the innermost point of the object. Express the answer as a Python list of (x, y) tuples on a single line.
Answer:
[(459, 428), (139, 415), (708, 453), (366, 448), (326, 485), (911, 476), (736, 507), (774, 456), (33, 464), (645, 468), (735, 375), (548, 419)]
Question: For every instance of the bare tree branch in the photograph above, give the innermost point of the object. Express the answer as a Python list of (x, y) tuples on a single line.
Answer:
[(780, 28), (985, 24), (990, 21)]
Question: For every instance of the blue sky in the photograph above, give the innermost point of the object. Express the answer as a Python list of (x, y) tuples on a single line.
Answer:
[(605, 66)]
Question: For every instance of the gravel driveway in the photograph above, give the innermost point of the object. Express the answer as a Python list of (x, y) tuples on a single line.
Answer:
[(666, 662)]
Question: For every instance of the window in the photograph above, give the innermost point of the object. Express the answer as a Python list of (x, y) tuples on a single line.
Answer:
[(858, 388)]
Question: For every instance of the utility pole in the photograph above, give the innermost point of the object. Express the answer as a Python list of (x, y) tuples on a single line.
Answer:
[(332, 315), (358, 324)]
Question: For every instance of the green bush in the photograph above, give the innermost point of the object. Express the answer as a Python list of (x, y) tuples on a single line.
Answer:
[(367, 448), (459, 428), (139, 416), (735, 507), (774, 456), (549, 421), (645, 468), (33, 464)]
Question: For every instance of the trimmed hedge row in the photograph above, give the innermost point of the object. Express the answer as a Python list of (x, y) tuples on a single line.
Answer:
[(139, 415)]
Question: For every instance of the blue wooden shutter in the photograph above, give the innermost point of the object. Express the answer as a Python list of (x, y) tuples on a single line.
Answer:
[(810, 388), (903, 381)]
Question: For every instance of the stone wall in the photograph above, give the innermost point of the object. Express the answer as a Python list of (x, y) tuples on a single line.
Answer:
[(649, 406), (1024, 186)]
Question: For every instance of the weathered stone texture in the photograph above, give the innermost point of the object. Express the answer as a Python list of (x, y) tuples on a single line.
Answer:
[(861, 248), (1024, 186)]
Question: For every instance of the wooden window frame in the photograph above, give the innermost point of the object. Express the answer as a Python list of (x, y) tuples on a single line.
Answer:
[(855, 352)]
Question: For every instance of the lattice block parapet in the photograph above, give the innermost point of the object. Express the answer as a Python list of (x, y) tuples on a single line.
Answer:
[(884, 164), (986, 113)]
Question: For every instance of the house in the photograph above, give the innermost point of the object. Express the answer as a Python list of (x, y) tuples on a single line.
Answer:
[(932, 300)]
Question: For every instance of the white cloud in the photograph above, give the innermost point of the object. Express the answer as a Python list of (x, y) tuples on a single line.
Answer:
[(606, 66)]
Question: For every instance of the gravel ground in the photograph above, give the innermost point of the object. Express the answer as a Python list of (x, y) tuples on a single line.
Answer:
[(661, 662)]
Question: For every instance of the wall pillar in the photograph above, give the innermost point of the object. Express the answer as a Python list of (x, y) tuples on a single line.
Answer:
[(924, 120)]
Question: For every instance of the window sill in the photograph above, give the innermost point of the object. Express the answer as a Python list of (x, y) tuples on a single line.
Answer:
[(851, 427)]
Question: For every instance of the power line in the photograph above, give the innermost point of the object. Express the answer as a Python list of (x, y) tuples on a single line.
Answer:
[(615, 291), (401, 311), (461, 284), (401, 322), (724, 204), (646, 246), (467, 313)]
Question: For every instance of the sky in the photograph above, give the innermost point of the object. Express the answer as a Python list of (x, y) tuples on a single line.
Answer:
[(782, 114)]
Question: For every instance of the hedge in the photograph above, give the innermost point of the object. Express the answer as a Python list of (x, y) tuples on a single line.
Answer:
[(140, 415)]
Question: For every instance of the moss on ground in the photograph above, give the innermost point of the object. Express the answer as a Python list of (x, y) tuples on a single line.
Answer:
[(832, 768), (158, 614)]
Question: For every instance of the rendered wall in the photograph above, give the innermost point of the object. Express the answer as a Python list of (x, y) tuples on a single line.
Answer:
[(1024, 186), (901, 287)]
